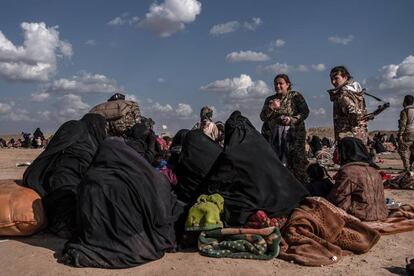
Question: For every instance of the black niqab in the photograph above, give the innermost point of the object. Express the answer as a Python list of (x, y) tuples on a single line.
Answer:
[(142, 140), (197, 156), (250, 177), (353, 150), (56, 173)]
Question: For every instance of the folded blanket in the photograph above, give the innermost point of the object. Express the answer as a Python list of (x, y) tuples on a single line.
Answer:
[(318, 233), (399, 220), (244, 243)]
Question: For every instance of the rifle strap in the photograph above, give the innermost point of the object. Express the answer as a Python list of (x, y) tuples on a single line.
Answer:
[(372, 96)]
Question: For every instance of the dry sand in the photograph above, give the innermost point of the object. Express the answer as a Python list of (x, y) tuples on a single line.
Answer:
[(36, 255)]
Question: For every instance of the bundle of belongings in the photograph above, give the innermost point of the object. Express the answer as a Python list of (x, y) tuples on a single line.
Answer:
[(21, 210), (405, 180), (119, 113)]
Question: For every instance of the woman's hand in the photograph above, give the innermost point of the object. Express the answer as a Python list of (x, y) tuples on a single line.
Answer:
[(286, 121), (275, 104)]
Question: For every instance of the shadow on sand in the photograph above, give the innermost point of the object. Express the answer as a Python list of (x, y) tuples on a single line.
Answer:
[(396, 270), (46, 240)]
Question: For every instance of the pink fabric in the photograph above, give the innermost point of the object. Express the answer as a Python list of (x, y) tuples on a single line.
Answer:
[(162, 143), (172, 178)]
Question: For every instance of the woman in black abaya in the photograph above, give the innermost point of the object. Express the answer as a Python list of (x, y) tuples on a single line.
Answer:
[(250, 177), (126, 211), (197, 157), (56, 173)]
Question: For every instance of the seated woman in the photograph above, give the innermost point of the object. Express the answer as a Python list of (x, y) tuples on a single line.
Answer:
[(197, 156), (358, 187), (250, 176), (126, 211), (56, 173)]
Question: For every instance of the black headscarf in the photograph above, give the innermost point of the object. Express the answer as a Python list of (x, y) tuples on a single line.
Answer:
[(315, 144), (38, 133), (353, 150), (197, 156), (126, 211), (56, 173), (250, 177), (141, 139), (176, 147)]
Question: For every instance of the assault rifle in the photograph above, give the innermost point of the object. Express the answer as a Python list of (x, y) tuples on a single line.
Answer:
[(380, 108), (371, 115)]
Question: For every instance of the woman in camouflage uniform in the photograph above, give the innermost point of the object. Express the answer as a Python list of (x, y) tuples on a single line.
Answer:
[(349, 109), (285, 113)]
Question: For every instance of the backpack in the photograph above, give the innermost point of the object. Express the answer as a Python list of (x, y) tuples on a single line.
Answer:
[(120, 115)]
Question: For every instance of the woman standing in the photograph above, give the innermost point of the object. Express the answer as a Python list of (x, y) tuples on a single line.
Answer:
[(285, 113)]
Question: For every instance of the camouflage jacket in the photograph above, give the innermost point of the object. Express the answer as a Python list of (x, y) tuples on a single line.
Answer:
[(406, 123), (293, 105), (348, 111)]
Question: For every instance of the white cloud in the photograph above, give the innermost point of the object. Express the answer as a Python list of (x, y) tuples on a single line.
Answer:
[(4, 108), (254, 24), (318, 67), (70, 107), (117, 21), (240, 93), (166, 114), (246, 56), (10, 112), (45, 115), (394, 80), (284, 68), (124, 19), (302, 68), (184, 110), (233, 26), (341, 40), (36, 59), (171, 16), (131, 97), (40, 97), (225, 28), (161, 80), (318, 112), (278, 43), (161, 108), (85, 83), (242, 88), (277, 68), (90, 42)]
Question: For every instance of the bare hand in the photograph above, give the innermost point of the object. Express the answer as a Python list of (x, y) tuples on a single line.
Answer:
[(286, 121), (275, 104)]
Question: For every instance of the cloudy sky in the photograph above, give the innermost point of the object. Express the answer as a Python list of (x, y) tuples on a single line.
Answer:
[(58, 59)]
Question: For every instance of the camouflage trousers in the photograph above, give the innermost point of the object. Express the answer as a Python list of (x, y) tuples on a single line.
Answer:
[(406, 149), (297, 161)]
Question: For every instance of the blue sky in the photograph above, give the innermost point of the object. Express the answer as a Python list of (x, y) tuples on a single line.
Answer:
[(60, 58)]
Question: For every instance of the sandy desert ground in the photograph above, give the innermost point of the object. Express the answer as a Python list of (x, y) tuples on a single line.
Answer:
[(36, 255)]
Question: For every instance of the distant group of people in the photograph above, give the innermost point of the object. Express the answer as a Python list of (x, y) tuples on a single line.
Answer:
[(38, 140)]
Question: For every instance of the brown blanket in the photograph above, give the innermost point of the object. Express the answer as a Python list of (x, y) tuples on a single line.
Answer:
[(318, 233), (399, 220)]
